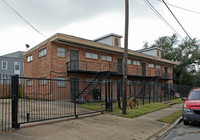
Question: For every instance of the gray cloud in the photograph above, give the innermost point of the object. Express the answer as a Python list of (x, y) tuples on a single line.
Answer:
[(47, 13)]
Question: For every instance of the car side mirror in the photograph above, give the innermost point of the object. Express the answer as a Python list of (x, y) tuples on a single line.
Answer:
[(183, 98)]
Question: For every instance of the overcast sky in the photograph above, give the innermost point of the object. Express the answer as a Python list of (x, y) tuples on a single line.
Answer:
[(91, 19)]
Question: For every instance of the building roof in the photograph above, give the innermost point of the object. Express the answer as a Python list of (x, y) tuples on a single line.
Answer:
[(148, 49), (18, 54), (108, 35), (68, 39)]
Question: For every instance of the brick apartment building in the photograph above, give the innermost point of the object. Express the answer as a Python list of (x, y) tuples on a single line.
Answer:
[(66, 57)]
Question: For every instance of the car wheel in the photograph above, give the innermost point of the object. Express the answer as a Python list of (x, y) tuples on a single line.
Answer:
[(185, 122)]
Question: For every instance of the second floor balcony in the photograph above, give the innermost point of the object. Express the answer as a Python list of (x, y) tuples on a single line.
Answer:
[(94, 67)]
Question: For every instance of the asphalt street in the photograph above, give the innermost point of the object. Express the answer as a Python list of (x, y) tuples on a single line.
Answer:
[(183, 132)]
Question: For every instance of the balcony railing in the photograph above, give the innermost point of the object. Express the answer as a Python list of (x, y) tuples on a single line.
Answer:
[(112, 67)]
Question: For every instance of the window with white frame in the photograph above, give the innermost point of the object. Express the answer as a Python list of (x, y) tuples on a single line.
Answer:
[(91, 55), (30, 58), (4, 65), (106, 57), (43, 81), (151, 65), (61, 82), (128, 61), (60, 52), (137, 63), (158, 66), (29, 82), (42, 52)]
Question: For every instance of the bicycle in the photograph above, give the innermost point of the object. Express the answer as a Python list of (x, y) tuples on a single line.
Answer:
[(131, 102)]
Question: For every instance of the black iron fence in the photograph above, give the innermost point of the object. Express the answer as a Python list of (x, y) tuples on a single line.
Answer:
[(150, 92), (25, 100)]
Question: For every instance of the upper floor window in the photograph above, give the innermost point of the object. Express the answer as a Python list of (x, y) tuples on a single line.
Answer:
[(4, 65), (136, 63), (60, 52), (128, 61), (106, 57), (42, 52), (158, 66), (116, 41), (169, 69), (30, 58), (151, 65), (91, 55)]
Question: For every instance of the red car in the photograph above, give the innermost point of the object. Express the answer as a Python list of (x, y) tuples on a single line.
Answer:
[(191, 107)]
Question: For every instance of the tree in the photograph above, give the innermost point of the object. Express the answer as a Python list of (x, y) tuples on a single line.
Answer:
[(186, 52)]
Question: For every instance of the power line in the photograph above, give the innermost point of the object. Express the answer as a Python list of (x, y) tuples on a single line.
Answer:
[(161, 17), (12, 9), (182, 8), (176, 19)]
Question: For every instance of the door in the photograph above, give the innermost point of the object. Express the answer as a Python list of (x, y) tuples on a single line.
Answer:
[(143, 69), (166, 72), (17, 68), (119, 65), (74, 87), (73, 60)]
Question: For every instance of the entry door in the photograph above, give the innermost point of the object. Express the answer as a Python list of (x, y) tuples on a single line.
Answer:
[(166, 72), (143, 69), (16, 67), (73, 60), (119, 65), (74, 87)]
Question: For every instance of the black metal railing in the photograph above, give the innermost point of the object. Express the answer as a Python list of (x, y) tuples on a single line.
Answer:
[(113, 67)]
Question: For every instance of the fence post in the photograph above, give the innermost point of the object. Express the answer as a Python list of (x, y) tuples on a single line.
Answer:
[(153, 92), (15, 92), (143, 92), (149, 92)]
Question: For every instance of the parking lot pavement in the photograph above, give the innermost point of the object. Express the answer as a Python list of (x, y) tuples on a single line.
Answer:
[(98, 127)]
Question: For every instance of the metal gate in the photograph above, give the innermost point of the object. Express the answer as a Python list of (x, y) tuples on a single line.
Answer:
[(36, 99)]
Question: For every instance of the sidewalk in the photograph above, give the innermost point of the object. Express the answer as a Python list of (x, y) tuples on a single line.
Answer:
[(96, 127)]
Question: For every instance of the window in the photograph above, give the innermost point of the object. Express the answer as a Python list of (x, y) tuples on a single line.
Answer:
[(42, 52), (42, 81), (158, 66), (29, 82), (169, 69), (4, 65), (61, 82), (60, 52), (91, 55), (116, 41), (106, 58), (137, 63), (30, 58), (128, 61), (151, 65)]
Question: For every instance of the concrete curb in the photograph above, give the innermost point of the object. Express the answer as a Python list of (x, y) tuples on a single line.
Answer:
[(165, 130)]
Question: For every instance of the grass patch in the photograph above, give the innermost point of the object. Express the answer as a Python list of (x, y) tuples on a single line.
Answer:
[(171, 118), (178, 101), (131, 113), (142, 109)]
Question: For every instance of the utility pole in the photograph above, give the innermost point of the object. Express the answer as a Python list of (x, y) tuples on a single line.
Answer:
[(124, 89)]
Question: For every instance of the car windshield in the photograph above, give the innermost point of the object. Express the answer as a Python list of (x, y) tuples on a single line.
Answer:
[(194, 95)]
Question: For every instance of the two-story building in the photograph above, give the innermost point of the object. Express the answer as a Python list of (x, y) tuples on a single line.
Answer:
[(68, 57), (11, 64)]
